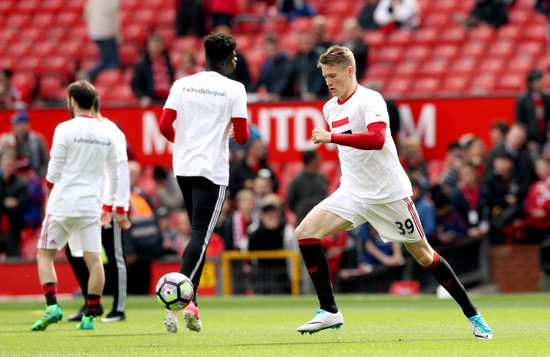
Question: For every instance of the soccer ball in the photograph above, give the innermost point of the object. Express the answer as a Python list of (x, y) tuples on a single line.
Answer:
[(174, 291)]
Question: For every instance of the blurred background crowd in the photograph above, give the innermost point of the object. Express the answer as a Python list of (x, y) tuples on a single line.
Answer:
[(132, 50)]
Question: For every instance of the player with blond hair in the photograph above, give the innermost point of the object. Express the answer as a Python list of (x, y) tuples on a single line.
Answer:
[(374, 188)]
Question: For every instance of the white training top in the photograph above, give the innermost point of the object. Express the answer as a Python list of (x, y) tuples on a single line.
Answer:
[(373, 175), (82, 155), (205, 103), (123, 193)]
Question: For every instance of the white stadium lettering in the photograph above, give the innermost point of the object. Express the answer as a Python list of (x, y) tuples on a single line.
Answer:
[(424, 130)]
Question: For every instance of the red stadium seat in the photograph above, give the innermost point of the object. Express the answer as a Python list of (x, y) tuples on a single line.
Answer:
[(512, 82), (447, 6), (511, 32), (31, 35), (186, 43), (300, 24), (135, 32), (426, 86), (388, 54), (78, 5), (144, 17), (80, 32), (90, 51), (8, 35), (417, 52), (437, 20), (27, 6), (7, 7), (494, 65), (156, 4), (108, 77), (165, 16), (455, 84), (406, 69), (44, 49), (68, 19), (128, 53), (464, 65), (521, 64), (434, 68), (27, 65), (453, 35), (483, 84), (129, 5), (289, 43), (448, 52), (531, 48), (168, 34), (27, 80), (374, 38), (427, 36), (534, 32), (57, 65), (400, 38), (244, 42), (51, 6), (520, 17), (502, 49), (483, 33), (50, 86), (398, 87), (475, 49), (19, 50), (17, 21), (6, 62), (380, 71), (42, 20), (341, 8), (57, 34), (71, 49)]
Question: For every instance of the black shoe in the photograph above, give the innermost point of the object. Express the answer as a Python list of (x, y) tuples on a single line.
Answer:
[(82, 311), (114, 316)]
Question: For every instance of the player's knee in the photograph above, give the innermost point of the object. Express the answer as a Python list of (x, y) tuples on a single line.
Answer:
[(302, 232), (424, 259)]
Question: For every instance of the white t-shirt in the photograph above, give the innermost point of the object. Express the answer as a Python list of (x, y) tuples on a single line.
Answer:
[(82, 155), (373, 175), (205, 103), (123, 192)]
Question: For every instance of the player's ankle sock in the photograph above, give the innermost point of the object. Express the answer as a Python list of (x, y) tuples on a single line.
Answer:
[(50, 291), (92, 304), (444, 274), (317, 267)]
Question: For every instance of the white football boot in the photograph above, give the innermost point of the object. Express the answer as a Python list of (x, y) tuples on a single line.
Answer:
[(322, 320), (171, 321)]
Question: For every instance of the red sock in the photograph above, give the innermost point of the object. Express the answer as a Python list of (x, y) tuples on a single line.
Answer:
[(92, 304), (50, 291)]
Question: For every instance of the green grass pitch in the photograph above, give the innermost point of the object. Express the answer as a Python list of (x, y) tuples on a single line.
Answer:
[(375, 325)]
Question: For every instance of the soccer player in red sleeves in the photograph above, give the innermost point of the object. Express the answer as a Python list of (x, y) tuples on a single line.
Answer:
[(200, 114), (374, 188)]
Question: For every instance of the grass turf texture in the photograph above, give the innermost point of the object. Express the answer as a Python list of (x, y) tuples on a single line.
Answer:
[(375, 325)]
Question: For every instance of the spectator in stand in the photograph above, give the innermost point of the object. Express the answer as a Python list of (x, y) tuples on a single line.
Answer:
[(306, 74), (166, 191), (474, 151), (487, 12), (377, 252), (465, 199), (295, 8), (270, 276), (366, 16), (546, 147), (503, 194), (543, 6), (153, 74), (190, 18), (275, 73), (537, 202), (183, 231), (187, 64), (244, 171), (234, 227), (353, 39), (533, 110), (424, 207), (11, 95), (223, 11), (447, 175), (309, 186), (450, 225), (397, 14), (102, 18), (319, 28), (241, 72), (33, 213), (167, 231), (143, 242), (29, 144), (412, 159), (514, 144), (13, 200), (498, 132)]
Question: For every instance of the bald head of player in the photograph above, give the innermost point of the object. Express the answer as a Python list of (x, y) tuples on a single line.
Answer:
[(81, 98), (220, 53), (338, 67)]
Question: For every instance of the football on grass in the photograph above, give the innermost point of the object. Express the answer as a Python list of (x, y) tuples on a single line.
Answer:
[(174, 291)]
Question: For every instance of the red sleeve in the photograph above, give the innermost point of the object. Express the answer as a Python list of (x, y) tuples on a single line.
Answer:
[(240, 128), (166, 121), (373, 139)]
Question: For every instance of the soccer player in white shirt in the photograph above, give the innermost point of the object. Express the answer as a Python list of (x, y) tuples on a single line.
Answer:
[(111, 236), (82, 157), (373, 187), (200, 114)]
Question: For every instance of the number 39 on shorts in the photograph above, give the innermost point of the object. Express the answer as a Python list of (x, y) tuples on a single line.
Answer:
[(405, 227)]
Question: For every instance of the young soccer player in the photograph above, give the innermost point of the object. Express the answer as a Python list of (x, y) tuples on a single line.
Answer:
[(373, 188), (81, 157), (203, 106)]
